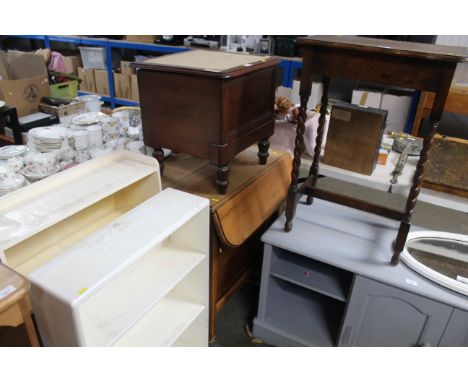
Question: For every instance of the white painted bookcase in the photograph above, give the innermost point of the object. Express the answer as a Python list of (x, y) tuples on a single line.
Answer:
[(114, 261)]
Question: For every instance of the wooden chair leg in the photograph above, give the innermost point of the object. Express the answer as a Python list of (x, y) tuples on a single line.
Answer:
[(28, 323)]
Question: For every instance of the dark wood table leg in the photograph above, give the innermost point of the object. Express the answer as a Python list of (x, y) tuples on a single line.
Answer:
[(222, 175), (158, 153), (314, 168), (435, 116), (15, 126), (263, 147), (304, 93), (413, 195)]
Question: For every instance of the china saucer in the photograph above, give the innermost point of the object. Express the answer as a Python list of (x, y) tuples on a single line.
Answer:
[(11, 151), (36, 176)]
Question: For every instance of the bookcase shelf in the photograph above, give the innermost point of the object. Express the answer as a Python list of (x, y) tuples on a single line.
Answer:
[(115, 283)]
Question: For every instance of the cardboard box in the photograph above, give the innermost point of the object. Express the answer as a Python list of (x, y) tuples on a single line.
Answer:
[(5, 72), (367, 97), (397, 104), (24, 81), (72, 63), (125, 67), (149, 39), (88, 83), (102, 82), (122, 86), (63, 110), (134, 85)]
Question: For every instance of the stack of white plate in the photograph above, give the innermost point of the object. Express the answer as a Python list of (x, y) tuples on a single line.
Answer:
[(81, 121), (46, 139), (10, 181), (7, 152)]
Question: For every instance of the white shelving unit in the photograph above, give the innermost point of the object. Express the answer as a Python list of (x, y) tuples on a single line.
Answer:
[(41, 220), (141, 280), (111, 258)]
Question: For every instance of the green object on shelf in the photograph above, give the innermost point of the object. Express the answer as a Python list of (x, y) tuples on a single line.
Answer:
[(67, 89)]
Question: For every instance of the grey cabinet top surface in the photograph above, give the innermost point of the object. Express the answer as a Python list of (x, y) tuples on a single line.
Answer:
[(356, 241)]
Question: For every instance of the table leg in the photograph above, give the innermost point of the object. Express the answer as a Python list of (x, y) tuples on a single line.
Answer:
[(314, 168), (263, 147), (222, 175), (158, 153), (28, 323), (436, 115), (304, 93), (15, 126), (413, 194)]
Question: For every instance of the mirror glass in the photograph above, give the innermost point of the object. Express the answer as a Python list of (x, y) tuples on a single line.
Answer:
[(446, 256)]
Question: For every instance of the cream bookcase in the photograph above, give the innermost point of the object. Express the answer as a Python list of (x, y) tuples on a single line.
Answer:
[(41, 220), (112, 259)]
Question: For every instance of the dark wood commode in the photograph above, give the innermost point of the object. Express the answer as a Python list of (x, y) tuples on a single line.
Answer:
[(411, 65), (211, 105)]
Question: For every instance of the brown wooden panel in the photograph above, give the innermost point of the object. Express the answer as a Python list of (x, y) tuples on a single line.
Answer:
[(200, 179), (179, 112), (447, 166), (234, 262), (390, 47), (354, 137), (11, 317), (239, 216), (248, 102), (401, 71), (225, 152), (352, 202), (457, 102)]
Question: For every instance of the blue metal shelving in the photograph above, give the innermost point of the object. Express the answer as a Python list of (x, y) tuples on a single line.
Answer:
[(284, 64), (293, 66), (119, 44)]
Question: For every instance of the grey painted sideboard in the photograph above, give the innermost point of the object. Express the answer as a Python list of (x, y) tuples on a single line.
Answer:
[(329, 282)]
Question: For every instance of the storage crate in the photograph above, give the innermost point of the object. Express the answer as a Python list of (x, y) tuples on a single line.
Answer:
[(93, 58), (67, 89), (63, 110)]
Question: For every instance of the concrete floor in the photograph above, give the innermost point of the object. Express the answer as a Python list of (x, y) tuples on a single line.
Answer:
[(240, 310)]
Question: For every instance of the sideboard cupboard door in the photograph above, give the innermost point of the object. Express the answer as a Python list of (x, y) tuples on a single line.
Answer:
[(381, 315), (456, 333)]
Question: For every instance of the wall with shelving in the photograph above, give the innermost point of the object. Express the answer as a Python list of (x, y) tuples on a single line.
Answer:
[(111, 46)]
